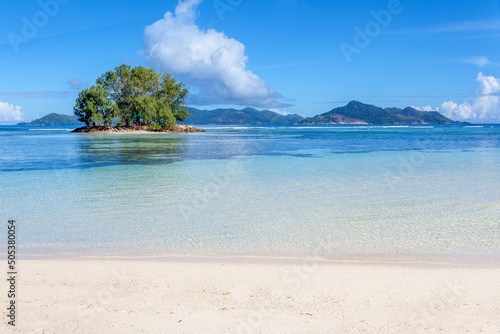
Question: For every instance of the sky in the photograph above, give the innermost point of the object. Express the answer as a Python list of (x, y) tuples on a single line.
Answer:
[(289, 56)]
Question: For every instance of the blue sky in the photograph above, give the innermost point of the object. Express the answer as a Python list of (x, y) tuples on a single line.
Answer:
[(294, 56)]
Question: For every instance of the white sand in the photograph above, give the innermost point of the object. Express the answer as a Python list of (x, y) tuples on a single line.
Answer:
[(252, 296)]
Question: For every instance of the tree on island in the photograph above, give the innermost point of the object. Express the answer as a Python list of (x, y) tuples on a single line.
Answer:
[(94, 107), (139, 96)]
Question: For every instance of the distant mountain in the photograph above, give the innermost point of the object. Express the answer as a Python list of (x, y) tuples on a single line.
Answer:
[(242, 117), (55, 119), (359, 113), (353, 113), (414, 116)]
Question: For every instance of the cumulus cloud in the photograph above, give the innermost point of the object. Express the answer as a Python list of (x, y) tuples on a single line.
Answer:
[(10, 113), (485, 106), (429, 108), (209, 61)]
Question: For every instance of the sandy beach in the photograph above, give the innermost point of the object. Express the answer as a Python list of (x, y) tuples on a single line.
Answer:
[(252, 295)]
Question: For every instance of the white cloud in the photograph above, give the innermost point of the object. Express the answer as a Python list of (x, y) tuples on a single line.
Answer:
[(75, 83), (460, 112), (475, 60), (281, 112), (485, 106), (10, 113), (426, 108), (489, 85), (429, 108), (209, 61)]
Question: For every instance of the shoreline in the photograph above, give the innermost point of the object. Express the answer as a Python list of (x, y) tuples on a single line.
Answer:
[(179, 128), (264, 259)]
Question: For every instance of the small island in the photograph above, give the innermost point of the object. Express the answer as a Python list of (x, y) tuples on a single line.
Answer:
[(133, 99), (359, 113), (53, 119), (179, 128)]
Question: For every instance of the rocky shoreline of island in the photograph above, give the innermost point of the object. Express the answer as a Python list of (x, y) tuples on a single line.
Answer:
[(180, 128)]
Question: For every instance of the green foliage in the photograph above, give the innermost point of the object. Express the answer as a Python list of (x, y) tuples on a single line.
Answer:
[(116, 84), (368, 113), (94, 107), (174, 94), (138, 95)]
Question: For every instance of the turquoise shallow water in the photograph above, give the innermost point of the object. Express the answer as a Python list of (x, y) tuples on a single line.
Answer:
[(393, 193)]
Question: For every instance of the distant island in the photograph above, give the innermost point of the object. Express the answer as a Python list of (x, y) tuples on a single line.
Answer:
[(359, 113), (247, 116), (353, 113), (54, 119)]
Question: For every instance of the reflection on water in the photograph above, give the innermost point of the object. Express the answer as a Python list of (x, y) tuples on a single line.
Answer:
[(105, 150)]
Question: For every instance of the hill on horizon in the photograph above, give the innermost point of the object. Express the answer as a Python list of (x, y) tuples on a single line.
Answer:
[(353, 113), (245, 116), (356, 112), (54, 119)]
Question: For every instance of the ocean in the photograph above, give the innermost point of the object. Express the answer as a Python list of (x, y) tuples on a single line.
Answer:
[(382, 193)]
